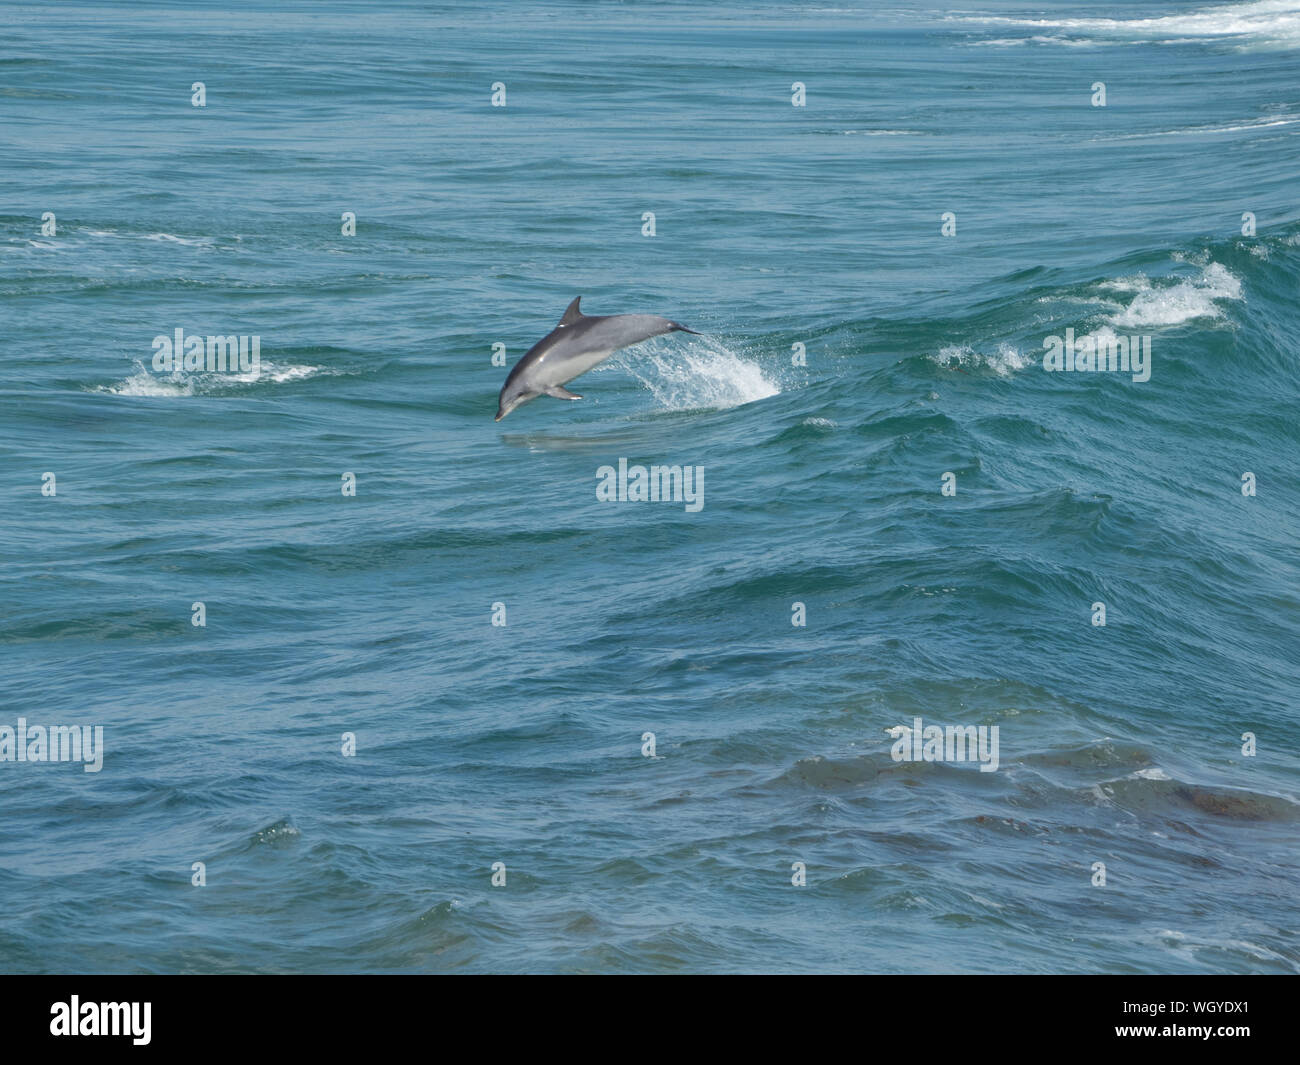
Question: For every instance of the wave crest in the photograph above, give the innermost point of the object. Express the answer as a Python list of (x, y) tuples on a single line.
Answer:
[(1174, 301), (175, 385)]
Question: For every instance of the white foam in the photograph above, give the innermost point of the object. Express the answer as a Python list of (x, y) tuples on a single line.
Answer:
[(1011, 42), (1173, 302), (1137, 283), (200, 243), (1003, 362), (1246, 125), (1007, 360), (1267, 23), (1153, 773), (700, 375), (170, 386), (144, 383)]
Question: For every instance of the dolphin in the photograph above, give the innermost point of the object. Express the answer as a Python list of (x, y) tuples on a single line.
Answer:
[(572, 348)]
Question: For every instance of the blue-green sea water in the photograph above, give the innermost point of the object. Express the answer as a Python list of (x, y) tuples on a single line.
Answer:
[(950, 193)]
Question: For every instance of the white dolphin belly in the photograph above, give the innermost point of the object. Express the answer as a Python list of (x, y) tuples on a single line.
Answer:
[(577, 365)]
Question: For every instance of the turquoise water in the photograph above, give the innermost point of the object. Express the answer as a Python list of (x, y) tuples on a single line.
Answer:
[(775, 226)]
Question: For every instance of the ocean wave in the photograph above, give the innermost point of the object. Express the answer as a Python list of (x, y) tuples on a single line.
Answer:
[(174, 385), (1190, 946), (1011, 42), (1005, 361), (1154, 790), (833, 773), (275, 835), (201, 242), (1268, 23), (1173, 301), (1246, 125)]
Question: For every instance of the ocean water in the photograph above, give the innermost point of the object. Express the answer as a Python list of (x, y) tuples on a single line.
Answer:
[(775, 226)]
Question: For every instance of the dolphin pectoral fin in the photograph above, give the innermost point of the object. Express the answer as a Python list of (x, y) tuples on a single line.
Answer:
[(561, 393)]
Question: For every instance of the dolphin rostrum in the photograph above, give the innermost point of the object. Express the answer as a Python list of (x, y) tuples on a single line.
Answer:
[(572, 348)]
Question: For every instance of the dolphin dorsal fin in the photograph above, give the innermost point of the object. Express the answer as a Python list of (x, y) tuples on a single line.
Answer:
[(572, 314)]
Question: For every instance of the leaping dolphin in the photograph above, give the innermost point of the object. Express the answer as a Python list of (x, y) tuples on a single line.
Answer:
[(572, 348)]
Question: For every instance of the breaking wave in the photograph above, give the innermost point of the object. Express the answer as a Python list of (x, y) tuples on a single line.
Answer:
[(175, 385)]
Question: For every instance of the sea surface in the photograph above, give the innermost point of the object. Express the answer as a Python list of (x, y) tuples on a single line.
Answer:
[(349, 745)]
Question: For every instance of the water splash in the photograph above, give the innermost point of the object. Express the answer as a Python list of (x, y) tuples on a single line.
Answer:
[(1003, 362), (1172, 303), (702, 375)]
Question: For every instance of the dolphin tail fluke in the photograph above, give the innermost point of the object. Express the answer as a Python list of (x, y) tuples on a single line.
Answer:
[(561, 393)]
